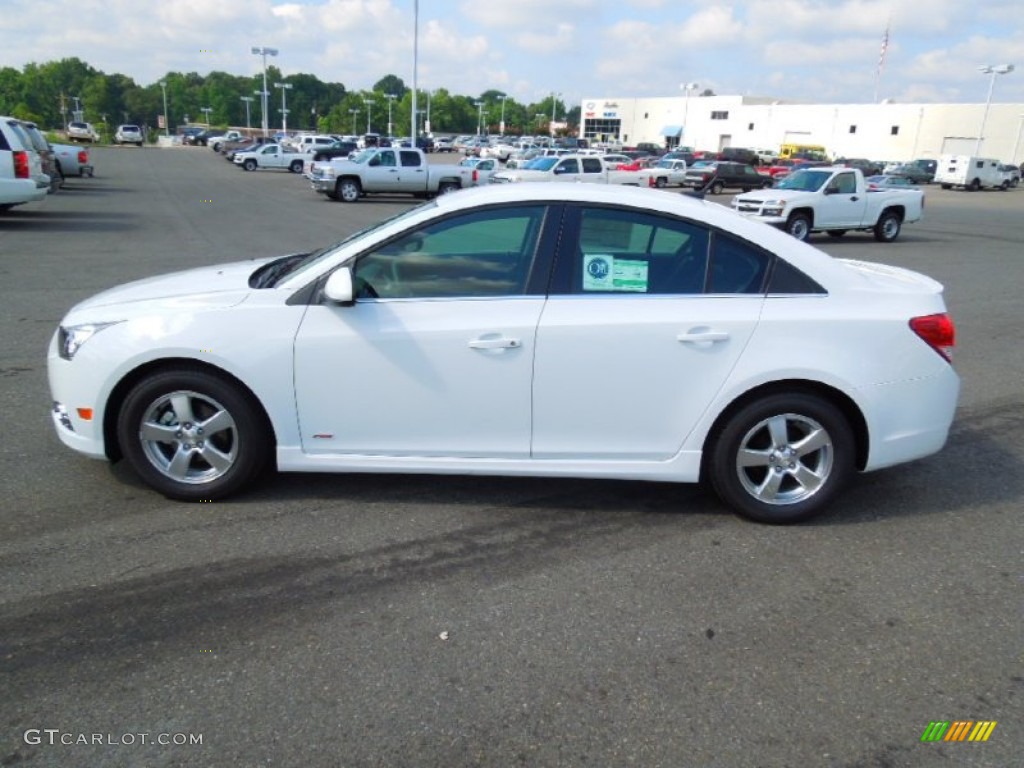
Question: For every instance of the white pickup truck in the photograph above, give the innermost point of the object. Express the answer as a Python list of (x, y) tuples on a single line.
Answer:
[(270, 156), (833, 200), (587, 169), (386, 170)]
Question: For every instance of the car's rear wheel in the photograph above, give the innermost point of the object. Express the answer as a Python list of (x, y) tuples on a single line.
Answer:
[(192, 435), (348, 190), (717, 187), (887, 228), (296, 166), (447, 187), (249, 164), (799, 226), (783, 458)]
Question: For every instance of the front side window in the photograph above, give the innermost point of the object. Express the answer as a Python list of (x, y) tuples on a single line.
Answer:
[(483, 253)]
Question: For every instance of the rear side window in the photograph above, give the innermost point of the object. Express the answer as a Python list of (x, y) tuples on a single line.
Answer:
[(736, 266), (410, 159)]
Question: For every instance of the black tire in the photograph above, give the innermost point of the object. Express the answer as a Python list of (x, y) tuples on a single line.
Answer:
[(216, 146), (249, 164), (837, 233), (974, 186), (661, 182), (296, 166), (946, 186), (764, 440), (447, 187), (348, 190), (717, 187), (1004, 186), (799, 226), (178, 466), (887, 228)]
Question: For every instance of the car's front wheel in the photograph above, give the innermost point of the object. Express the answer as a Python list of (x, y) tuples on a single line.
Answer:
[(783, 458), (192, 435), (799, 226), (249, 165), (348, 190), (717, 187)]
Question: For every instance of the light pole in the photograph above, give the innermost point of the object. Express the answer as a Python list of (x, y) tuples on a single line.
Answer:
[(480, 117), (687, 87), (426, 125), (554, 103), (264, 51), (285, 87), (263, 106), (391, 100), (989, 69), (415, 61), (248, 100), (354, 112), (501, 125), (369, 112), (163, 85), (206, 111)]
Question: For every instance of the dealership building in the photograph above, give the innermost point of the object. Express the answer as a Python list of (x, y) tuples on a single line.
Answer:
[(885, 131)]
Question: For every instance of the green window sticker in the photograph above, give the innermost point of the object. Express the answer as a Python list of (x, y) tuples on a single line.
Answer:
[(603, 272)]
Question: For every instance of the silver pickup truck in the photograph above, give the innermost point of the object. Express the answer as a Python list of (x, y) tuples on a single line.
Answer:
[(386, 170)]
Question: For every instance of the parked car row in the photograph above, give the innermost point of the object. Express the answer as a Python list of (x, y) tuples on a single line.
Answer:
[(31, 167)]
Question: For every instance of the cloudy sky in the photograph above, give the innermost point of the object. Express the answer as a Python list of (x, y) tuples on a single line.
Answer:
[(812, 50)]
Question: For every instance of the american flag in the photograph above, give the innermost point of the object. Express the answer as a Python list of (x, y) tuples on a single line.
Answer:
[(885, 47)]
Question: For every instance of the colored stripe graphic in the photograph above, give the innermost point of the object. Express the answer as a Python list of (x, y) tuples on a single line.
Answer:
[(982, 730), (935, 731), (959, 730)]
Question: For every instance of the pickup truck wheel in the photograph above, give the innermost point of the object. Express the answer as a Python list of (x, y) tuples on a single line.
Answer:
[(445, 187), (946, 186), (717, 187), (1005, 186), (215, 146), (974, 186), (348, 190), (782, 458), (799, 226), (887, 228), (660, 182), (837, 233), (249, 165), (296, 166)]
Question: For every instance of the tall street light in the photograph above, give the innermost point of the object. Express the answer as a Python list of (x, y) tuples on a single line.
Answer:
[(391, 100), (248, 100), (354, 112), (1016, 141), (264, 51), (263, 106), (369, 112), (501, 125), (285, 87), (415, 62), (480, 117), (990, 69), (687, 87), (163, 85), (554, 103)]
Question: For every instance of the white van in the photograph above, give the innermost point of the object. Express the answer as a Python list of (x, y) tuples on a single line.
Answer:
[(309, 143), (971, 173)]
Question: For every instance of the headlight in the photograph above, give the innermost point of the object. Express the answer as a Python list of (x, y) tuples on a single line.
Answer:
[(71, 338)]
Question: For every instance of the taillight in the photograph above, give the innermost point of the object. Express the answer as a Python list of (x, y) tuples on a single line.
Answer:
[(21, 164), (937, 331), (83, 157), (476, 175)]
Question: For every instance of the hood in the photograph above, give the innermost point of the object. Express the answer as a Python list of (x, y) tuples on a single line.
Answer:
[(206, 287)]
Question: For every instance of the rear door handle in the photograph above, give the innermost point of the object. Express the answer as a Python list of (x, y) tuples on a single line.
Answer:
[(702, 336)]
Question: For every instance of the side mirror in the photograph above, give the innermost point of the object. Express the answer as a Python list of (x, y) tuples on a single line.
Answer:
[(338, 287)]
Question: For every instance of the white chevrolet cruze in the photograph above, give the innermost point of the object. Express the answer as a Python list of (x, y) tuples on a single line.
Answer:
[(545, 329)]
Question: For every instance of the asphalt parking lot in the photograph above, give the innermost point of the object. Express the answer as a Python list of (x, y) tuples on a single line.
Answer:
[(432, 621)]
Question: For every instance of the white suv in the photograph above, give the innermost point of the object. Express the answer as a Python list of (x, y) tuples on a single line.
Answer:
[(20, 167), (78, 131), (128, 134)]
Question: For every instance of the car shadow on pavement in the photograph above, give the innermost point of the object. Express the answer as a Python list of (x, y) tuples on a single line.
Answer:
[(69, 221)]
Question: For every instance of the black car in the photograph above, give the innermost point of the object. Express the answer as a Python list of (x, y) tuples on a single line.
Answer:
[(337, 149), (715, 177), (739, 155), (867, 167)]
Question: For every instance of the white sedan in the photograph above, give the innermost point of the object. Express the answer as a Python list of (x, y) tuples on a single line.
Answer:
[(566, 330)]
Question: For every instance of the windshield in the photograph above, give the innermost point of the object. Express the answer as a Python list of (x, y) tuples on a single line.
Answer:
[(271, 273), (541, 164), (363, 156), (805, 180)]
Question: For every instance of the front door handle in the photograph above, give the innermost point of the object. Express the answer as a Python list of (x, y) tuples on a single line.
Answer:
[(702, 336), (497, 343)]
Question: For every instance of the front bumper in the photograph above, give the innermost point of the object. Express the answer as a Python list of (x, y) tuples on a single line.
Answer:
[(322, 185), (75, 391)]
